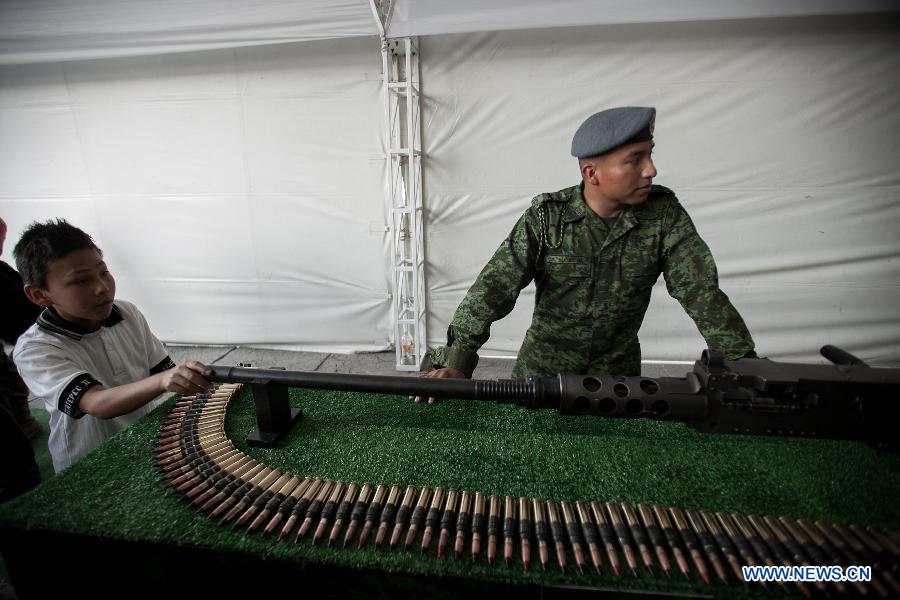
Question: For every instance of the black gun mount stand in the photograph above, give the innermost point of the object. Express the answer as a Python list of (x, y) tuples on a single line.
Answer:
[(274, 414)]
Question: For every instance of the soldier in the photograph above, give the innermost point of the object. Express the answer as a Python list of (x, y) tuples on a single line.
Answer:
[(594, 251)]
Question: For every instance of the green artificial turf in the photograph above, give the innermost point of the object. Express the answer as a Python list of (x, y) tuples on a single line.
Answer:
[(115, 491)]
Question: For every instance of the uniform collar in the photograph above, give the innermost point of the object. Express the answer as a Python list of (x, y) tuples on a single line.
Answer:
[(49, 320), (578, 208)]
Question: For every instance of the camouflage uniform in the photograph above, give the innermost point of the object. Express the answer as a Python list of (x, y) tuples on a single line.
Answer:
[(593, 285)]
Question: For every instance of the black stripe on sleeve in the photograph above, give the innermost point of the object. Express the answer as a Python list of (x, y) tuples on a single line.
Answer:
[(71, 395), (163, 365)]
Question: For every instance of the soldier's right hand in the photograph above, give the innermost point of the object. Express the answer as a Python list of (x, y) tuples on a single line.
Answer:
[(440, 373)]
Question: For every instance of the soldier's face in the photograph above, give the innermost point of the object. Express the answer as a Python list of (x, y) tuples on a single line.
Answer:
[(624, 175)]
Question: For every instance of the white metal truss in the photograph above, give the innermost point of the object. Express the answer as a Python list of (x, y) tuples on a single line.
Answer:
[(403, 136)]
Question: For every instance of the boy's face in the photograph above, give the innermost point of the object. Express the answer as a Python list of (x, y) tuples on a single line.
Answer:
[(79, 287)]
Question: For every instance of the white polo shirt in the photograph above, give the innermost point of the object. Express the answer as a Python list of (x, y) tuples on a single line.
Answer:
[(60, 361)]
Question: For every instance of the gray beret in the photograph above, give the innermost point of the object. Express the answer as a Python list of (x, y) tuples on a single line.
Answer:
[(609, 129)]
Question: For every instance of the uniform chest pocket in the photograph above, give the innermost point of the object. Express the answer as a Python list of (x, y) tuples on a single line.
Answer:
[(641, 281), (567, 266), (635, 293), (566, 289), (638, 271)]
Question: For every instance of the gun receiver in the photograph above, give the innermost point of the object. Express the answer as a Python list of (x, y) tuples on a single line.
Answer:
[(754, 396)]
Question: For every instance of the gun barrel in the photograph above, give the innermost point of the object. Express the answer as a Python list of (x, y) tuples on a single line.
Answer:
[(533, 392)]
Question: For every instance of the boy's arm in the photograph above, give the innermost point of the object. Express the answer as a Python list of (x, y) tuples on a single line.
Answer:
[(106, 403)]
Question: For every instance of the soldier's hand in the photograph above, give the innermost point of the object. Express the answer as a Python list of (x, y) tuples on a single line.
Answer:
[(440, 373)]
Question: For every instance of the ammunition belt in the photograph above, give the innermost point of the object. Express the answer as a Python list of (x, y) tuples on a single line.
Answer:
[(200, 462)]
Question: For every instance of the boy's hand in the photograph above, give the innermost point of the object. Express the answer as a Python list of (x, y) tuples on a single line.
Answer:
[(187, 378), (440, 373)]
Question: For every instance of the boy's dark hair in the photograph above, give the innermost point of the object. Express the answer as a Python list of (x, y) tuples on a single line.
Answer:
[(42, 243)]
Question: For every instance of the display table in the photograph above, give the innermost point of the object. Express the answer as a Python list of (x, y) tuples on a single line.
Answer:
[(107, 526)]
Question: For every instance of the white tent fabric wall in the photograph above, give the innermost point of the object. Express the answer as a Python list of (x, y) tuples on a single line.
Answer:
[(430, 17), (49, 30), (780, 137), (238, 194)]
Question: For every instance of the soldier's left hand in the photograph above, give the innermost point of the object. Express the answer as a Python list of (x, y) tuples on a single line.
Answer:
[(439, 373)]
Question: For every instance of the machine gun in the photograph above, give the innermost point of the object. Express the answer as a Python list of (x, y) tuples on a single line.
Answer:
[(756, 396)]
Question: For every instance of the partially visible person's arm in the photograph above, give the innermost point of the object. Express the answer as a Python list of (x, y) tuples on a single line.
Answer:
[(491, 297), (106, 403), (443, 372), (693, 280)]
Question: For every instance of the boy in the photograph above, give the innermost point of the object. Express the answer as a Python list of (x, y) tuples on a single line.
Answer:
[(92, 360)]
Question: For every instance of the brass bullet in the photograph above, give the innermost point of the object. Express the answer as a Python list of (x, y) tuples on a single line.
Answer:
[(525, 531), (493, 527), (540, 532), (743, 546), (343, 511), (433, 517), (662, 517), (744, 549), (372, 513), (463, 523), (778, 550), (250, 491), (589, 531), (638, 535), (656, 538), (299, 508), (621, 531), (509, 528), (886, 540), (260, 501), (478, 523), (761, 550), (328, 510), (574, 532), (418, 517), (723, 542), (448, 520), (844, 555), (287, 505), (706, 542), (690, 542), (387, 514), (227, 495), (556, 532), (225, 483), (359, 509), (607, 536), (314, 509), (403, 514), (274, 502)]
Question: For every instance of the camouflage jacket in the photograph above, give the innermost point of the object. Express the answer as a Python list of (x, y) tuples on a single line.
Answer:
[(593, 284)]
